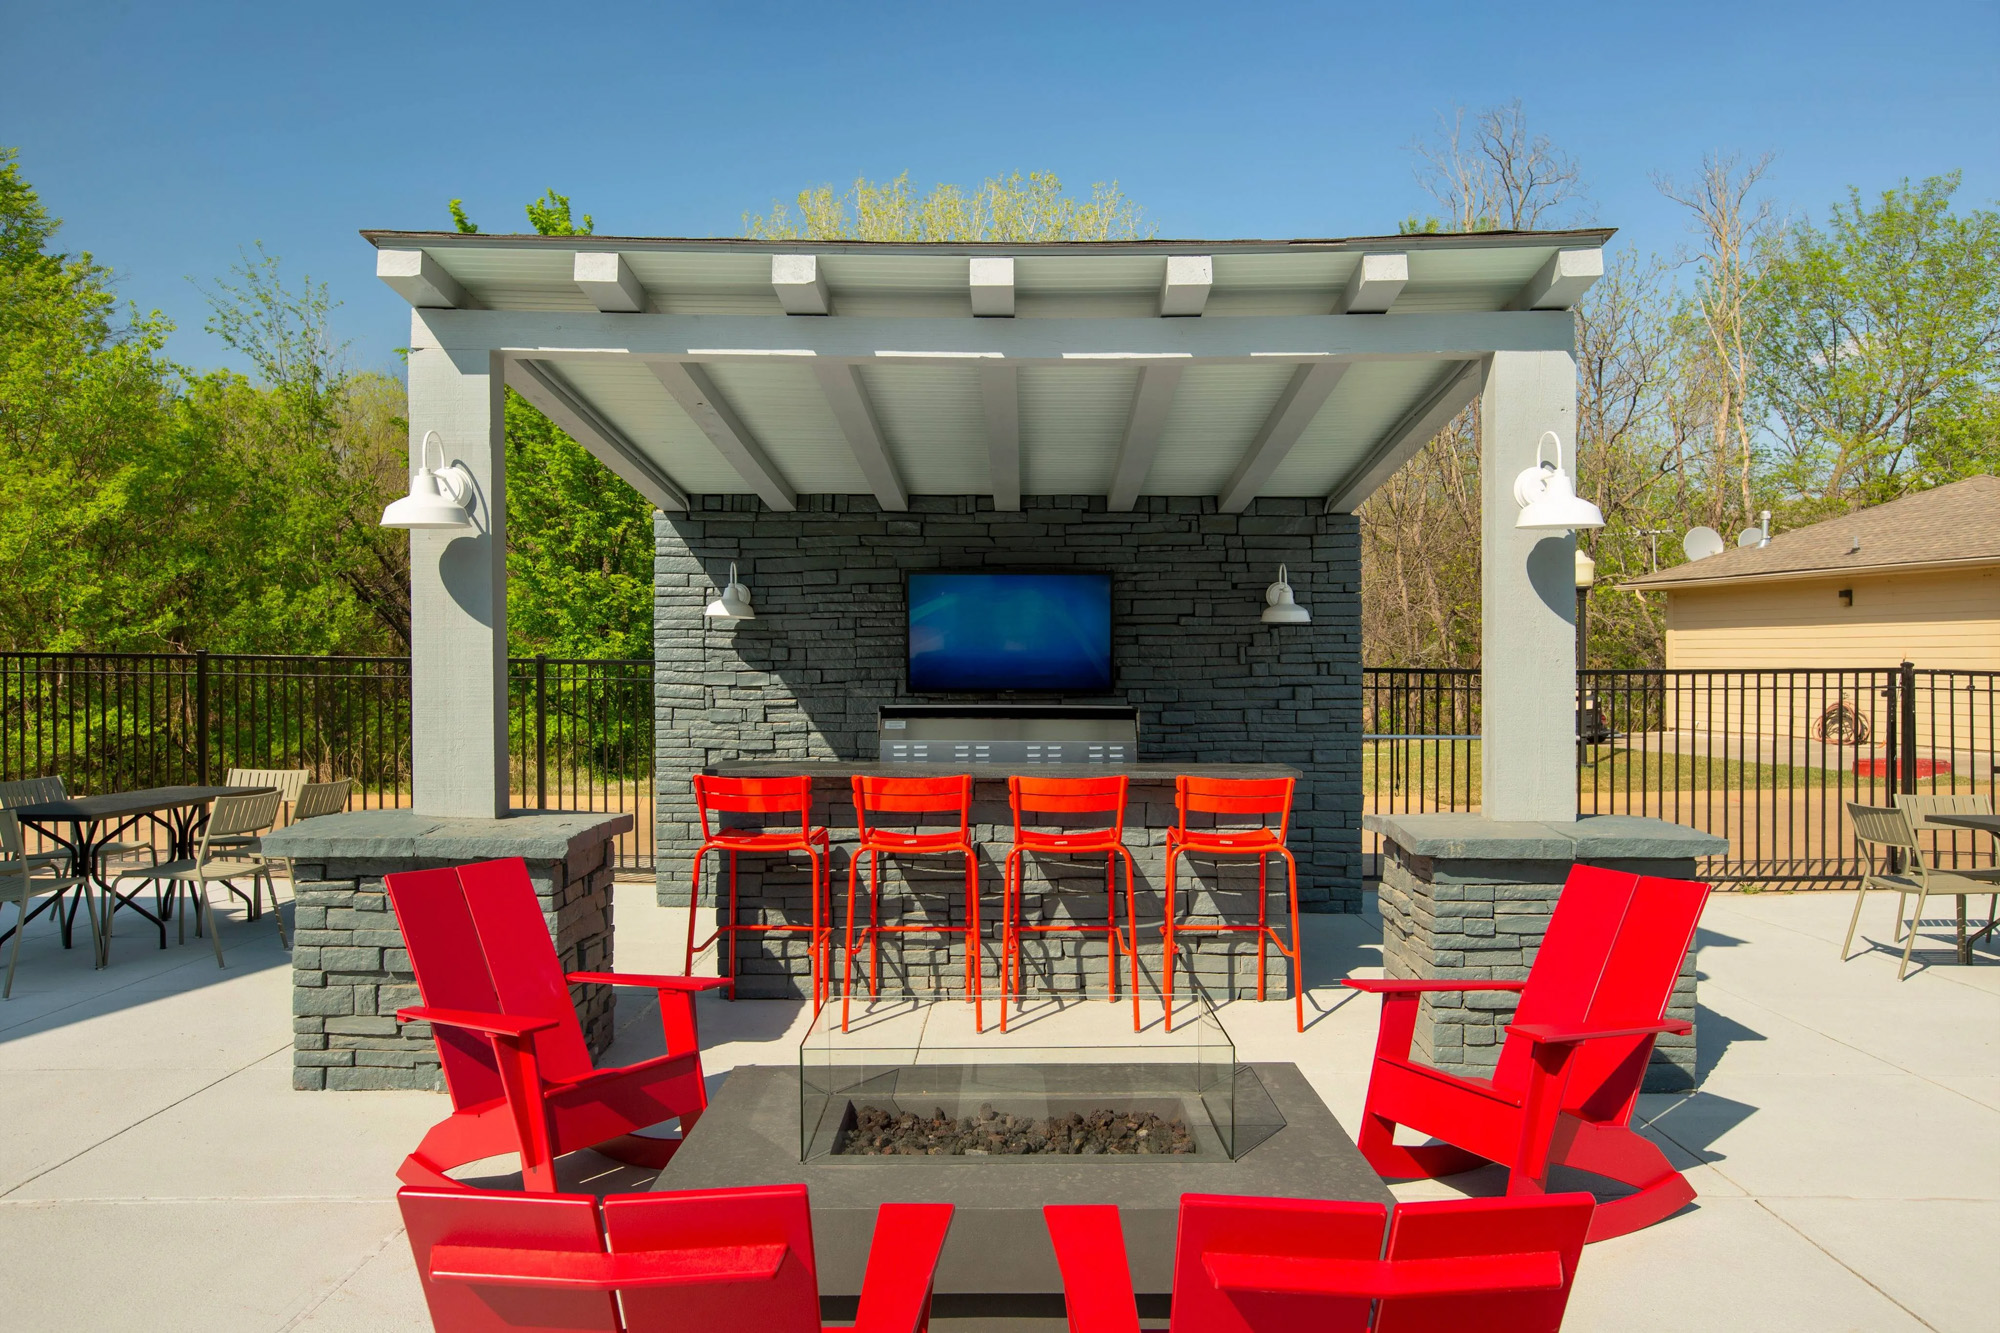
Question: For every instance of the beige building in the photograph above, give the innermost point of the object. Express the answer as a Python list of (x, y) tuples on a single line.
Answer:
[(1916, 580)]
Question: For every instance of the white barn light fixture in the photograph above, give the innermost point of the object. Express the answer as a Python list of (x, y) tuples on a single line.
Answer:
[(1279, 608), (1548, 499), (437, 500), (734, 603)]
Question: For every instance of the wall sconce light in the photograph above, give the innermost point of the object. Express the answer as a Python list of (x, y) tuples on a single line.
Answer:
[(1279, 608), (437, 500), (733, 604), (1548, 499)]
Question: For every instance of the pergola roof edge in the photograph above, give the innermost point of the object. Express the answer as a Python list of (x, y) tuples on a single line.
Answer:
[(1572, 237)]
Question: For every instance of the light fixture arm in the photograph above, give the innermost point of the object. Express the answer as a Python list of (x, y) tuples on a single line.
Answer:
[(453, 477)]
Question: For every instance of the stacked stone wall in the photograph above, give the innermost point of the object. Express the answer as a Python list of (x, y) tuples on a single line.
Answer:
[(351, 973)]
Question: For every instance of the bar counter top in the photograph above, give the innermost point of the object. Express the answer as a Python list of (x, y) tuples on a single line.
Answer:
[(835, 769)]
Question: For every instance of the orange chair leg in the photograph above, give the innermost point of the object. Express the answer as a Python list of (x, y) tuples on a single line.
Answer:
[(1263, 919), (847, 975), (1167, 911), (974, 965), (1298, 945), (1132, 932)]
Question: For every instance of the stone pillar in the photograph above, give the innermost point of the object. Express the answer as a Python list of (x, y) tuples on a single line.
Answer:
[(350, 972), (458, 591), (1528, 598), (1469, 898)]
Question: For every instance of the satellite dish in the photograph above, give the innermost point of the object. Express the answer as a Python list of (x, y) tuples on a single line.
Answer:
[(1750, 537), (1701, 543)]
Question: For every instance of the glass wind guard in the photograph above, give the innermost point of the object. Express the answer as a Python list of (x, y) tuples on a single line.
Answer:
[(910, 1079)]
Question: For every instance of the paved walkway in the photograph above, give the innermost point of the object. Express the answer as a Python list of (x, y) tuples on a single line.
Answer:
[(157, 1171)]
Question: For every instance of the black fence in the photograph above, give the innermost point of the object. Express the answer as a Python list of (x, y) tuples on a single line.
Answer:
[(580, 732), (1768, 759)]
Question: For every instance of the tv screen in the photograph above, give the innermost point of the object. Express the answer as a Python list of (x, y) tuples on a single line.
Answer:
[(995, 632)]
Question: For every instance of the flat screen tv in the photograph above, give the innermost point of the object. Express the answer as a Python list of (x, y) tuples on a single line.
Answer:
[(993, 633)]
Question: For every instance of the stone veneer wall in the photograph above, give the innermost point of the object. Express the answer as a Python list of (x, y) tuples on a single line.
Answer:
[(350, 972), (1212, 684)]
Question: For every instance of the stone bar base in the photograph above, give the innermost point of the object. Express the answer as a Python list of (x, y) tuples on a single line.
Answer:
[(774, 890), (1464, 897), (350, 972)]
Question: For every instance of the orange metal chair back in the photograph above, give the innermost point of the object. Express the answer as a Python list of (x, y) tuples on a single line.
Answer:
[(752, 796), (1263, 797), (913, 796), (1069, 796)]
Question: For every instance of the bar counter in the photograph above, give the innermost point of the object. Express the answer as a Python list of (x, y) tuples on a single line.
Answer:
[(1057, 889)]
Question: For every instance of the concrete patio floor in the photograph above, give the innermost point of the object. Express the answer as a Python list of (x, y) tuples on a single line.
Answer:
[(158, 1171)]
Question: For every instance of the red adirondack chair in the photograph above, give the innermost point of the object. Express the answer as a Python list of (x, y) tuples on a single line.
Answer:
[(1575, 1055), (704, 1259), (1245, 1265), (520, 1075)]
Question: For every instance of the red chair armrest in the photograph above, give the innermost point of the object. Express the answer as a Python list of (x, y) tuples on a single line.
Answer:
[(1539, 1270), (902, 1264), (1096, 1275), (1555, 1034), (496, 1025), (1386, 986), (568, 1270), (688, 985)]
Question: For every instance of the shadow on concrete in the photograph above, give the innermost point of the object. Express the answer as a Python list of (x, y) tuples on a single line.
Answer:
[(55, 987), (1714, 1034), (1696, 1120)]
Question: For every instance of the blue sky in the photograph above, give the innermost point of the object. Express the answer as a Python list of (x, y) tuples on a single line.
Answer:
[(168, 136)]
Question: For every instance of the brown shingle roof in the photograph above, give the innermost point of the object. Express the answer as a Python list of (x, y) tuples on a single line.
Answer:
[(1959, 523)]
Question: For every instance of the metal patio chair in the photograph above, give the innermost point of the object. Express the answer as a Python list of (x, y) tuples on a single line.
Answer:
[(289, 783), (29, 875), (1921, 808), (225, 854), (1893, 831)]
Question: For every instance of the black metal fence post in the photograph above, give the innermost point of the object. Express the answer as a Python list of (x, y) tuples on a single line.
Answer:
[(1907, 727), (201, 718), (541, 731)]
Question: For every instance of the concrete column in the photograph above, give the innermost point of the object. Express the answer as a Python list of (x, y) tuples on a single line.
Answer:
[(1528, 599), (458, 592)]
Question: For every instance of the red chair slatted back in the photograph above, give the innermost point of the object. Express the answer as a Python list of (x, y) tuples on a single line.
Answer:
[(1069, 796), (760, 1215), (1234, 796), (1610, 957), (477, 940), (752, 796), (560, 1223), (1308, 1228), (913, 796), (1461, 1228)]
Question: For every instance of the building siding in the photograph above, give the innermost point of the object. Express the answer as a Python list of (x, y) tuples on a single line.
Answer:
[(1939, 620)]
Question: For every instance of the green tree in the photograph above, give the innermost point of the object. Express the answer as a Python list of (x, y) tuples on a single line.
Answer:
[(101, 488), (1027, 208), (1878, 345)]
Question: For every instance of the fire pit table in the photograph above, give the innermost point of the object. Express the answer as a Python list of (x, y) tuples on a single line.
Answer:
[(1069, 1106)]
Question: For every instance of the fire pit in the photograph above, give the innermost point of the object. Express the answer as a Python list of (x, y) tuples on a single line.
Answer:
[(878, 1131), (916, 1072), (910, 1081)]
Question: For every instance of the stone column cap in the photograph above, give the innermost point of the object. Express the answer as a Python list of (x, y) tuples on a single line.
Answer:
[(1460, 836), (370, 835)]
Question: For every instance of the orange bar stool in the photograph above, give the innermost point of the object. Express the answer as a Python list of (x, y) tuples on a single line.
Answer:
[(766, 797), (1068, 796), (912, 796), (1238, 797)]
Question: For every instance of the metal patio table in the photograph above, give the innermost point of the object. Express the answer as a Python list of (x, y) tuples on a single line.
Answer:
[(94, 821), (1981, 824)]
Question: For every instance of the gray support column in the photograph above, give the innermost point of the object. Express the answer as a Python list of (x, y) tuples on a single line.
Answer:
[(1528, 599), (458, 592)]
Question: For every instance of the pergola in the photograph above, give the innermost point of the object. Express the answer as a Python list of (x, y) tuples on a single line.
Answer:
[(1236, 370)]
